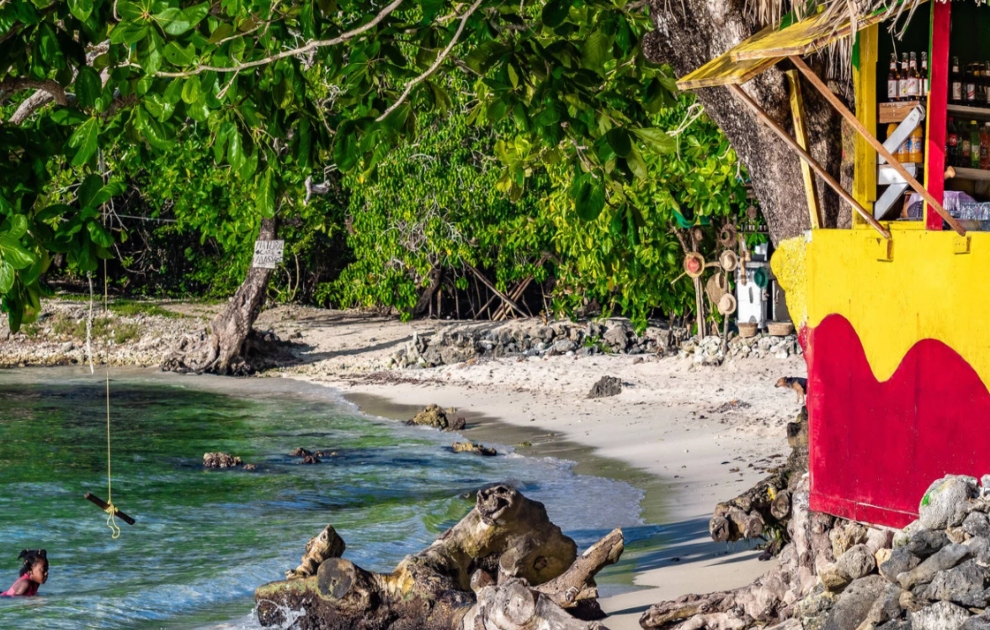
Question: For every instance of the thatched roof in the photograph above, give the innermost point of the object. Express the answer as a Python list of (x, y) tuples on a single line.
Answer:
[(836, 11)]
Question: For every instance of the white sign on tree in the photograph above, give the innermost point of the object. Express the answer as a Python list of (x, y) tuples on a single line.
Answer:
[(267, 254)]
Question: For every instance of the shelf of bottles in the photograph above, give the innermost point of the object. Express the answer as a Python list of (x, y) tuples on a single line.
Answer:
[(907, 87), (967, 146)]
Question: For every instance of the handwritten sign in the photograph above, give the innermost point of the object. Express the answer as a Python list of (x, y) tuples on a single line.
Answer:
[(267, 254)]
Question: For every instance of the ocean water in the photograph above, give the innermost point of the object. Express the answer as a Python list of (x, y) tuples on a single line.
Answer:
[(205, 539)]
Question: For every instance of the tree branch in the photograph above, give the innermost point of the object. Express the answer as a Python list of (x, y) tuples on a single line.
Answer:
[(312, 45), (436, 63), (15, 84)]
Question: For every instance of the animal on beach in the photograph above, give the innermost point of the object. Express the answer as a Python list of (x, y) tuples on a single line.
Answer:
[(799, 385)]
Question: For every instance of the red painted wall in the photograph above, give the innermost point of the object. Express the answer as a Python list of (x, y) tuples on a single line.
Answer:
[(876, 447)]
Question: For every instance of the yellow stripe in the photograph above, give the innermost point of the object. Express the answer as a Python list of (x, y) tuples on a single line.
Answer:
[(926, 291)]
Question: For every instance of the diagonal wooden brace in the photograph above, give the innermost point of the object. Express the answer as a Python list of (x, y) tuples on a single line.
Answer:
[(818, 168), (876, 144)]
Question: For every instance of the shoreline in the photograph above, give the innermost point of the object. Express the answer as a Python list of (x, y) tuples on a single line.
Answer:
[(687, 434)]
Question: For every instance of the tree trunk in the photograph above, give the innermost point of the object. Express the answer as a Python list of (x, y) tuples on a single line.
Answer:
[(504, 566), (230, 340), (688, 34), (426, 297)]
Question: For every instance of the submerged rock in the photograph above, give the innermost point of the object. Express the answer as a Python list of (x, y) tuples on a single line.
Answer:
[(221, 460), (433, 416), (472, 447)]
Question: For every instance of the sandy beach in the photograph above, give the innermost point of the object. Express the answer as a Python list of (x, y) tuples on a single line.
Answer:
[(704, 433)]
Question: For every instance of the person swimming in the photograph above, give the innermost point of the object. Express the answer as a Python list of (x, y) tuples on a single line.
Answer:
[(34, 573)]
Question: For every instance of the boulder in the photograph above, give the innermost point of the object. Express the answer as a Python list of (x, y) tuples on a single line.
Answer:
[(856, 562), (855, 603), (472, 447), (981, 549), (958, 584), (977, 524), (616, 337), (562, 346), (606, 386), (846, 535), (926, 543), (833, 578), (939, 616), (901, 561), (982, 622), (886, 607), (944, 504), (947, 557), (221, 460), (433, 416)]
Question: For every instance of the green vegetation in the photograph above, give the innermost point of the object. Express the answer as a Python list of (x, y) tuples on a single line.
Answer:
[(102, 328), (130, 308)]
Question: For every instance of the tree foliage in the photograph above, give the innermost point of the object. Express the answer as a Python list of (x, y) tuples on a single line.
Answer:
[(297, 85)]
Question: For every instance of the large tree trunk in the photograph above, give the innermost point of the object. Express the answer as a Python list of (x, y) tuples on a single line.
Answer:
[(230, 345), (504, 566), (688, 34)]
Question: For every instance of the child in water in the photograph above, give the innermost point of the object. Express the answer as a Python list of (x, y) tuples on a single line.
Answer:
[(34, 573)]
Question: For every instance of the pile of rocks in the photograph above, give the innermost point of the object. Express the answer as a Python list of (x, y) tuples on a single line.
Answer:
[(708, 351), (932, 575)]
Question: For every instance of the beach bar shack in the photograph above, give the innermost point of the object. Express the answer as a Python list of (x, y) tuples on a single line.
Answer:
[(892, 313)]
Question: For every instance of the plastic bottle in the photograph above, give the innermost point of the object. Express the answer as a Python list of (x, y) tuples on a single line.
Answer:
[(964, 142), (985, 147), (974, 141), (916, 151), (951, 144)]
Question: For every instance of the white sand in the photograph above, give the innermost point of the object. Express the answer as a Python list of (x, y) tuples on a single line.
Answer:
[(665, 422)]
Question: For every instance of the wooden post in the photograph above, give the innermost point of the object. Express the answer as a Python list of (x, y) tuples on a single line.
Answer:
[(938, 97), (864, 62), (763, 117), (876, 144), (801, 135)]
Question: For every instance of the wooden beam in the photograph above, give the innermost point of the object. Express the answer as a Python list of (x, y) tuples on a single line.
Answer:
[(876, 144), (801, 135), (763, 117), (865, 51)]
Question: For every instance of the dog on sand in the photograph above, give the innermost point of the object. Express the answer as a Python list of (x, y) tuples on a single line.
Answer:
[(799, 385)]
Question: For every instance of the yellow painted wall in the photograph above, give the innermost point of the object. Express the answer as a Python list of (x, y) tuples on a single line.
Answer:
[(935, 285)]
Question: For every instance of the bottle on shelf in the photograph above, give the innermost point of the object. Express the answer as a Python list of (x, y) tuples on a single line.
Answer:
[(914, 79), (924, 75), (970, 86), (974, 142), (956, 83), (952, 148), (965, 147), (893, 80), (902, 92), (986, 84), (916, 150), (985, 146)]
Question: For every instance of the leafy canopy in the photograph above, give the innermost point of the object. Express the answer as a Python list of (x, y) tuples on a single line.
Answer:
[(299, 84)]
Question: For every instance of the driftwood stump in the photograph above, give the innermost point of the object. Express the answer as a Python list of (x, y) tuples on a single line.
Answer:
[(504, 566)]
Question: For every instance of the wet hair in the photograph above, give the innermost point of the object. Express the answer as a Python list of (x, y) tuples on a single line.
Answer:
[(31, 557)]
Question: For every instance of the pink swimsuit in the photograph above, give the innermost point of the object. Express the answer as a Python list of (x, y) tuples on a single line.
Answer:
[(31, 590)]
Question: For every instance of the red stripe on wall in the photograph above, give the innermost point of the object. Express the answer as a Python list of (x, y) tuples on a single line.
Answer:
[(876, 447)]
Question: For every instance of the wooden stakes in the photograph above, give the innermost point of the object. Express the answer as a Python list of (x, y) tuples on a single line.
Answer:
[(876, 144), (105, 506), (763, 117), (801, 135)]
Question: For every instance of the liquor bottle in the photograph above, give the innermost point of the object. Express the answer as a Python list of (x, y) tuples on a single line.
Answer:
[(914, 79), (893, 80), (924, 75), (974, 141), (970, 87), (916, 151), (965, 147), (905, 72), (986, 84), (952, 144), (956, 80), (985, 147)]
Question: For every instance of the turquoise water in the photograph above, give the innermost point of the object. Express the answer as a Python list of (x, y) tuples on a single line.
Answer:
[(204, 539)]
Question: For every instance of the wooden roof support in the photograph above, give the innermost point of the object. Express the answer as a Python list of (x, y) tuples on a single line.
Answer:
[(876, 144), (801, 135), (763, 117)]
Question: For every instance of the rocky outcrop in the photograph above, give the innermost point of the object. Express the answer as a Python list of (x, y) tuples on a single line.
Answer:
[(840, 575)]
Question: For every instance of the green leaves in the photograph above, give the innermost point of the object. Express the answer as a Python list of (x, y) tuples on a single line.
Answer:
[(656, 139), (6, 276), (618, 139), (266, 194), (88, 86), (177, 22), (84, 140), (588, 193), (555, 12)]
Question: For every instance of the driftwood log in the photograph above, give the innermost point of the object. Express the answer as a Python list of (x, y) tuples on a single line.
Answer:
[(504, 566), (767, 505)]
